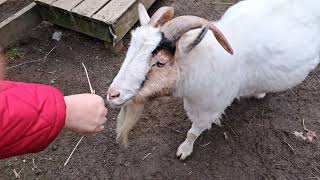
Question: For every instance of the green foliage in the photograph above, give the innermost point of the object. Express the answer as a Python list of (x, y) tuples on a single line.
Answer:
[(13, 53)]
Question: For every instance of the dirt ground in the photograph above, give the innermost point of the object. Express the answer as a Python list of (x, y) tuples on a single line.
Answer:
[(259, 144), (10, 6)]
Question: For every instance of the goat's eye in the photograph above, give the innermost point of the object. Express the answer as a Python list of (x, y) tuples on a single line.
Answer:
[(160, 64)]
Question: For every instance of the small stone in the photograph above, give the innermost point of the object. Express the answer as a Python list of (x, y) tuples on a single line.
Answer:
[(54, 147), (24, 160), (57, 35), (53, 81), (127, 164)]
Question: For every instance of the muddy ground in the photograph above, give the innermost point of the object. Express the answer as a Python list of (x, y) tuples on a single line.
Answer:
[(259, 143)]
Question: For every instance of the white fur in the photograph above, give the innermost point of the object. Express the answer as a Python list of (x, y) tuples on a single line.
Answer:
[(276, 44), (143, 15), (136, 64)]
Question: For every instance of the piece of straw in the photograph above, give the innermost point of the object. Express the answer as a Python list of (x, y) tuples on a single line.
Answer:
[(92, 92)]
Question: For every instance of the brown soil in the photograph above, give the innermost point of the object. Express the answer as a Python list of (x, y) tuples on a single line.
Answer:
[(259, 131), (10, 7)]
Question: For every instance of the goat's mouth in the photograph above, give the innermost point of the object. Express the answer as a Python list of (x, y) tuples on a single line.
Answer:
[(117, 102), (120, 101), (121, 97)]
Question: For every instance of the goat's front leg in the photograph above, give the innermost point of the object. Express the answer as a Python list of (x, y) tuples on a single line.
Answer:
[(198, 126)]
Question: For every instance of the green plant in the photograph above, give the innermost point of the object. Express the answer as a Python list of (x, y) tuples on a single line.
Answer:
[(13, 53)]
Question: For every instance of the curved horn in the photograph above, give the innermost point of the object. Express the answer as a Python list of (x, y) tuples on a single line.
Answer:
[(161, 16), (175, 28)]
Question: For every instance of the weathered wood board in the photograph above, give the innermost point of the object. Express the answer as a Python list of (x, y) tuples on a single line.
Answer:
[(2, 1), (17, 24), (66, 4), (101, 19), (90, 7)]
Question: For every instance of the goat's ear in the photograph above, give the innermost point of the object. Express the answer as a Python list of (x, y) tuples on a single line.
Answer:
[(144, 18), (187, 44), (161, 16)]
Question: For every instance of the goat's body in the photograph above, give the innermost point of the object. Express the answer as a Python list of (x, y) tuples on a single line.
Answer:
[(276, 45), (278, 42)]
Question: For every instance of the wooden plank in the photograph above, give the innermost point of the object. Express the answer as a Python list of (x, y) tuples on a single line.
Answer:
[(122, 22), (2, 1), (45, 2), (67, 5), (94, 17), (89, 7), (17, 24), (78, 23), (113, 10), (49, 2)]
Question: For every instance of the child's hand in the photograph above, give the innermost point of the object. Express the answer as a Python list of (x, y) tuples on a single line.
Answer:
[(85, 113)]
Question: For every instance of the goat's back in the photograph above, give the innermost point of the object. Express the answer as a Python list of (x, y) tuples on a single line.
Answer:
[(277, 42)]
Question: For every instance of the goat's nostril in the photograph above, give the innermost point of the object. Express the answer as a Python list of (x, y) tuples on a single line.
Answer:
[(114, 93)]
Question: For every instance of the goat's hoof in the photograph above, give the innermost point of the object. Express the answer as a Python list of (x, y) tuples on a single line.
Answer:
[(260, 96), (184, 150)]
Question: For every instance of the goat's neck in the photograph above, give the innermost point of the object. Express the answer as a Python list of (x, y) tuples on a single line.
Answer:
[(207, 72)]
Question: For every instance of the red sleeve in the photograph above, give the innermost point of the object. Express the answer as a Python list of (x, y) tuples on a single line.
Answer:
[(31, 116)]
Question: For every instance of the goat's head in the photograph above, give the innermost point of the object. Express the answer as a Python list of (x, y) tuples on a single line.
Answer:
[(150, 68)]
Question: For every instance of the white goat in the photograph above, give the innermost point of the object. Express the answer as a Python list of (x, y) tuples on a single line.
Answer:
[(275, 44)]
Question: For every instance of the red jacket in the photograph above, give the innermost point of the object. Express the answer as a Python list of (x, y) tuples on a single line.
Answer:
[(31, 116)]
